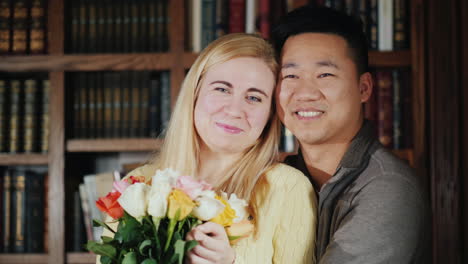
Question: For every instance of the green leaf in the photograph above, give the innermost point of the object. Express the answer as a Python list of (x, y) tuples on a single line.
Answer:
[(105, 260), (101, 249), (97, 223), (107, 239), (179, 249), (149, 261), (144, 247), (233, 237), (190, 244), (130, 258)]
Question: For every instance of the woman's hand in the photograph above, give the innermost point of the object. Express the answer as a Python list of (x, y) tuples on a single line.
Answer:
[(213, 245)]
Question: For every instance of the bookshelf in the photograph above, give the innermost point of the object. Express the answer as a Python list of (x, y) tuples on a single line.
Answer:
[(177, 60)]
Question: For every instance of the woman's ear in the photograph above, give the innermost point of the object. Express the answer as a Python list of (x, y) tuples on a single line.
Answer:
[(365, 86)]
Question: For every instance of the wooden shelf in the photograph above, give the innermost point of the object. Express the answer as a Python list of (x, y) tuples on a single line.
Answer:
[(23, 159), (113, 145), (80, 258), (24, 258), (95, 62), (399, 58)]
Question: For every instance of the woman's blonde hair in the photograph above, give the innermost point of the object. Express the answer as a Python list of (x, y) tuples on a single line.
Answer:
[(181, 147)]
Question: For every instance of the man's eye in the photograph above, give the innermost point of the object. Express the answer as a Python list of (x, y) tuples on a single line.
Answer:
[(290, 76), (254, 98), (323, 75)]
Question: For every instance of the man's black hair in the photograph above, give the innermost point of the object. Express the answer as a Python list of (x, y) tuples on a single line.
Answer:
[(313, 19)]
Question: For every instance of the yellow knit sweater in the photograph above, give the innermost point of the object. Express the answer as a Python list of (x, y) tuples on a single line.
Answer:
[(287, 220)]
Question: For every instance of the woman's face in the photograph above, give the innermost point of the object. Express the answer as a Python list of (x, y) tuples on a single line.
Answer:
[(234, 104)]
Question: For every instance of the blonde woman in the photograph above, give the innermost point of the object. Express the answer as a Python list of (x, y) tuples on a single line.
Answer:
[(224, 131)]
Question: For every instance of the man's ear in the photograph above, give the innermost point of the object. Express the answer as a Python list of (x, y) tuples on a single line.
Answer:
[(365, 86)]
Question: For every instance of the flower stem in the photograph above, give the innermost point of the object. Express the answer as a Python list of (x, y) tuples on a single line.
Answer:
[(170, 232)]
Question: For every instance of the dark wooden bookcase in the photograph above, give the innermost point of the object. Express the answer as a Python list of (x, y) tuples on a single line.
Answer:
[(176, 60)]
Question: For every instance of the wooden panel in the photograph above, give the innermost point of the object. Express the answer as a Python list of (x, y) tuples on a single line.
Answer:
[(81, 258), (56, 193), (24, 159), (464, 87), (399, 58), (24, 258), (444, 138), (113, 145), (177, 34)]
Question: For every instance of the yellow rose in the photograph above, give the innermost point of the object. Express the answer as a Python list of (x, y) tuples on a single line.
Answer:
[(239, 230), (226, 217), (178, 200)]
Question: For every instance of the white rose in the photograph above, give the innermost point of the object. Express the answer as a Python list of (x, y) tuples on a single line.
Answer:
[(167, 175), (134, 200), (157, 198), (239, 205), (208, 206)]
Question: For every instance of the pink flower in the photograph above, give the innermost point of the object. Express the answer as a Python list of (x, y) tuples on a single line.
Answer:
[(192, 187), (120, 186)]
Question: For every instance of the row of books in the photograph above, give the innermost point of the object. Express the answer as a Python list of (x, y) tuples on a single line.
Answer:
[(386, 21), (390, 107), (24, 115), (23, 26), (120, 104), (209, 19), (106, 26), (22, 207)]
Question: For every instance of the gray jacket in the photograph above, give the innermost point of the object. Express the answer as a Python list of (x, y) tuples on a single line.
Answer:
[(373, 209)]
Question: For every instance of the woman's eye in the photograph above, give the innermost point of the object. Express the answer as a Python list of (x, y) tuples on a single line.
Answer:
[(254, 98), (323, 75), (221, 89)]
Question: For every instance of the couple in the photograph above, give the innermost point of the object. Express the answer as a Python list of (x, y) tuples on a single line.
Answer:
[(346, 201)]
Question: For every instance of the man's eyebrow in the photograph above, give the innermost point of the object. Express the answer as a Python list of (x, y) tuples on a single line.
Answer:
[(258, 91), (222, 82), (289, 65), (327, 63)]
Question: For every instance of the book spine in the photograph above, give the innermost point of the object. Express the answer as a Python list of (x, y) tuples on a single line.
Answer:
[(236, 16), (407, 108), (221, 18), (250, 14), (373, 25), (45, 127), (79, 231), (108, 104), (400, 33), (385, 103), (84, 105), (91, 87), (208, 22), (6, 212), (110, 26), (77, 106), (154, 105), (29, 121), (165, 100), (20, 27), (144, 108), (37, 39), (385, 25), (361, 11), (162, 25), (34, 228), (134, 25), (397, 132), (117, 105), (196, 25), (126, 25), (83, 35), (5, 26), (152, 12), (265, 18), (18, 211), (135, 105), (126, 110), (75, 26), (3, 116), (87, 218), (14, 116), (99, 90), (143, 25), (92, 25)]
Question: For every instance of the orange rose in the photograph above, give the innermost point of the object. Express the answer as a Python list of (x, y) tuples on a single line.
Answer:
[(240, 230), (109, 205)]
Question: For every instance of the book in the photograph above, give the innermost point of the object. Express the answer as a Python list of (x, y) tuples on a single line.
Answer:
[(163, 24), (250, 14), (83, 35), (37, 25), (135, 26), (78, 231), (108, 104), (372, 24), (34, 197), (385, 25), (5, 26), (99, 95), (126, 104), (236, 16), (154, 106), (196, 25), (45, 127), (165, 100), (152, 33), (116, 105), (135, 104), (30, 117), (84, 115), (221, 18), (20, 27), (92, 27), (143, 25), (91, 104), (74, 25), (208, 20), (91, 193), (3, 115), (6, 212), (126, 25), (18, 210), (400, 27), (397, 107), (144, 104), (15, 115), (385, 107), (87, 219), (264, 18)]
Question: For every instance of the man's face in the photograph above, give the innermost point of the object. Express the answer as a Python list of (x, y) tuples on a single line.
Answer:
[(319, 91)]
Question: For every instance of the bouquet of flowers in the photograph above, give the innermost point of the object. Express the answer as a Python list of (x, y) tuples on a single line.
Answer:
[(153, 218)]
